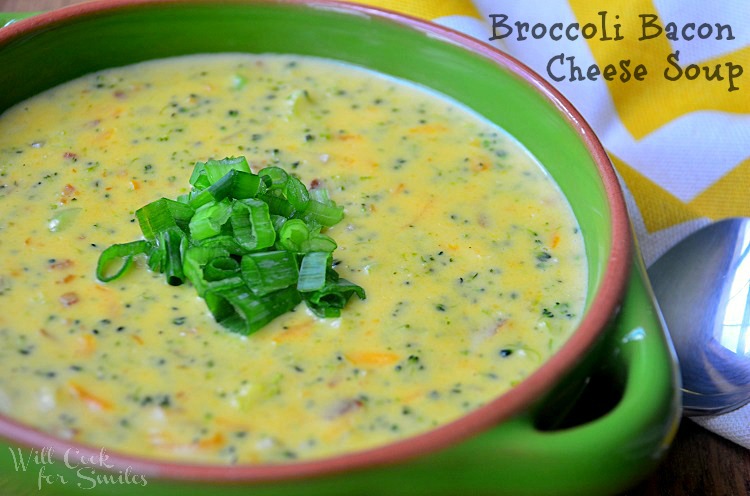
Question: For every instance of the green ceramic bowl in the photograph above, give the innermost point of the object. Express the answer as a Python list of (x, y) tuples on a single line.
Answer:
[(594, 419)]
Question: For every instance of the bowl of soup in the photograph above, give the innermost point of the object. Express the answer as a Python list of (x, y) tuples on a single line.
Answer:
[(505, 340)]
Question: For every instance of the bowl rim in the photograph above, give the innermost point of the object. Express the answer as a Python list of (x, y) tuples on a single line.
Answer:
[(602, 308)]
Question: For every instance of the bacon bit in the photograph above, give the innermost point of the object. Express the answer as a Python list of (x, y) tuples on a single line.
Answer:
[(342, 407), (94, 402), (137, 339), (479, 337), (67, 279), (70, 156), (61, 264), (315, 183), (373, 358), (68, 191), (69, 299), (120, 95), (482, 219)]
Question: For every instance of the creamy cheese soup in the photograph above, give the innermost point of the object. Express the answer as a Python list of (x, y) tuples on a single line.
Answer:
[(472, 261)]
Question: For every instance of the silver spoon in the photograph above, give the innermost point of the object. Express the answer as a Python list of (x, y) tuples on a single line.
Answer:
[(702, 285)]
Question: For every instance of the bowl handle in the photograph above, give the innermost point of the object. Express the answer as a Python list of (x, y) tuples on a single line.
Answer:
[(624, 441)]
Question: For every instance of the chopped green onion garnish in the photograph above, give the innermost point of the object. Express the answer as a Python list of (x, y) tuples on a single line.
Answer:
[(292, 234), (250, 244), (296, 193), (248, 313), (221, 268), (269, 271), (196, 257), (312, 271), (209, 219), (161, 215), (126, 252), (245, 185), (274, 177), (278, 205), (331, 299), (322, 213), (252, 225), (216, 169), (173, 243)]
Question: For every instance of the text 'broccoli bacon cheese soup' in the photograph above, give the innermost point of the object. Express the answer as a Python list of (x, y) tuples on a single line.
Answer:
[(472, 262)]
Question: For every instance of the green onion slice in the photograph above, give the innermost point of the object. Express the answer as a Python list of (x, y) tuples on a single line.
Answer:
[(312, 271), (296, 194), (328, 301), (251, 221), (274, 177), (269, 271), (161, 215), (209, 219), (126, 252), (244, 313), (216, 169)]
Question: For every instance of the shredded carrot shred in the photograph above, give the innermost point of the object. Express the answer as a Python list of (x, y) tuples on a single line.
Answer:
[(555, 240), (294, 332), (374, 358), (212, 442), (399, 189), (93, 401)]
